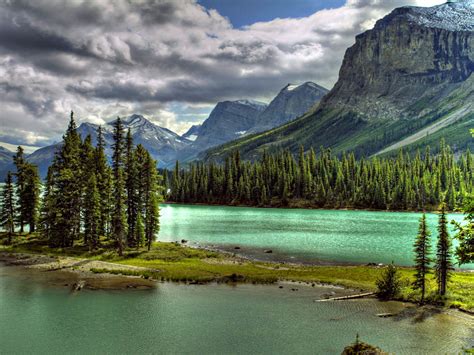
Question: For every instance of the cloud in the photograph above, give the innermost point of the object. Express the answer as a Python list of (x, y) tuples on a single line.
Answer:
[(169, 60)]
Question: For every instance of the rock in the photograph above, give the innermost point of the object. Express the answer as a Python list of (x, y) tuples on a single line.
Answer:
[(78, 286), (236, 248), (280, 286), (268, 251), (228, 121), (183, 241), (291, 102)]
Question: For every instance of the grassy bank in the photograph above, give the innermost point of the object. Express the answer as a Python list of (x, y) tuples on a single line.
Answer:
[(175, 262)]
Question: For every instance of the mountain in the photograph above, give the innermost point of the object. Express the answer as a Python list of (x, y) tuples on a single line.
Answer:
[(6, 162), (228, 120), (405, 83), (291, 102), (192, 133), (162, 143)]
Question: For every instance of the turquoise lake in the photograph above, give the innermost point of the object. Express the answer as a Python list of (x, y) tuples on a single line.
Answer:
[(313, 236), (213, 319)]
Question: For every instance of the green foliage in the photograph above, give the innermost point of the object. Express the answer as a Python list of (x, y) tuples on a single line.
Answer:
[(443, 253), (389, 284), (28, 187), (84, 197), (422, 250), (465, 233), (419, 182), (7, 211)]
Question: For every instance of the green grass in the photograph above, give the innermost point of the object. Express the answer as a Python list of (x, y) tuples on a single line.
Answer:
[(175, 262)]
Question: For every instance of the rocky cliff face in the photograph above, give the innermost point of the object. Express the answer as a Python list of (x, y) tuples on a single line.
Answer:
[(411, 53), (228, 120), (291, 102), (406, 82)]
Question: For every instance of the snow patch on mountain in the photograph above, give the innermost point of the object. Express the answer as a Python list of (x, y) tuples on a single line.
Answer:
[(452, 16)]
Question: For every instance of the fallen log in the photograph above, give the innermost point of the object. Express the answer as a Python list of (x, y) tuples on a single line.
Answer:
[(350, 297)]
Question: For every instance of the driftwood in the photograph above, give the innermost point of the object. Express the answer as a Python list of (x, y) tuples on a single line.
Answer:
[(350, 297)]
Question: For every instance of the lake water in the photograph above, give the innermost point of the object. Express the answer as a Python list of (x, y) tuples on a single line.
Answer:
[(317, 236), (189, 319)]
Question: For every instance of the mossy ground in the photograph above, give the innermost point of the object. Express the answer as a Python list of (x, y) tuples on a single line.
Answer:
[(176, 262)]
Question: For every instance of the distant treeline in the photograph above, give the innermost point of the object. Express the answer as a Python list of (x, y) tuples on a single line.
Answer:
[(419, 182)]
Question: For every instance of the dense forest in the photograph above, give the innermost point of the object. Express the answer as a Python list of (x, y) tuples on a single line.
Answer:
[(84, 198), (419, 182)]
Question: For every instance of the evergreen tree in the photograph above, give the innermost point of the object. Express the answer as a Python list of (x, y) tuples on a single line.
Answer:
[(104, 184), (119, 219), (132, 190), (422, 249), (7, 211), (152, 199), (19, 161), (47, 217), (443, 253), (400, 183), (30, 196), (465, 233), (92, 213), (65, 208)]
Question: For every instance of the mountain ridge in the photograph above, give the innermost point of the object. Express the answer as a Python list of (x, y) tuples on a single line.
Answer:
[(397, 78)]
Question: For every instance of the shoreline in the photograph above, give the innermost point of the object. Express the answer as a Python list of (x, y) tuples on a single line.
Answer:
[(78, 268), (299, 207), (74, 273)]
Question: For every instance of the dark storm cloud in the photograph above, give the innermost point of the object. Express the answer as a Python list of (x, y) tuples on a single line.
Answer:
[(18, 35), (107, 58)]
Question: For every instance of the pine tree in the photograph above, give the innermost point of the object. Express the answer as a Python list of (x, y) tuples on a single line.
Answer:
[(7, 211), (465, 234), (132, 189), (119, 219), (66, 198), (443, 253), (30, 196), (152, 199), (422, 249), (104, 183), (47, 217), (92, 213), (139, 231), (19, 161)]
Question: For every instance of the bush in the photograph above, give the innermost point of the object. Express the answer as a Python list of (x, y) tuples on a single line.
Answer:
[(389, 285)]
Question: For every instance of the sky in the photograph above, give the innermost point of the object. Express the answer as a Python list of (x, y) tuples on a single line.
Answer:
[(170, 61)]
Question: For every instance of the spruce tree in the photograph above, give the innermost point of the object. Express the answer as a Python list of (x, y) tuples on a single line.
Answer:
[(103, 176), (443, 253), (132, 189), (465, 233), (30, 196), (7, 211), (92, 213), (66, 200), (152, 199), (119, 219), (19, 161), (422, 250)]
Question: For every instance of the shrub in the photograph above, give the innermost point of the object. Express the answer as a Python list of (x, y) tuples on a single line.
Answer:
[(389, 284)]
